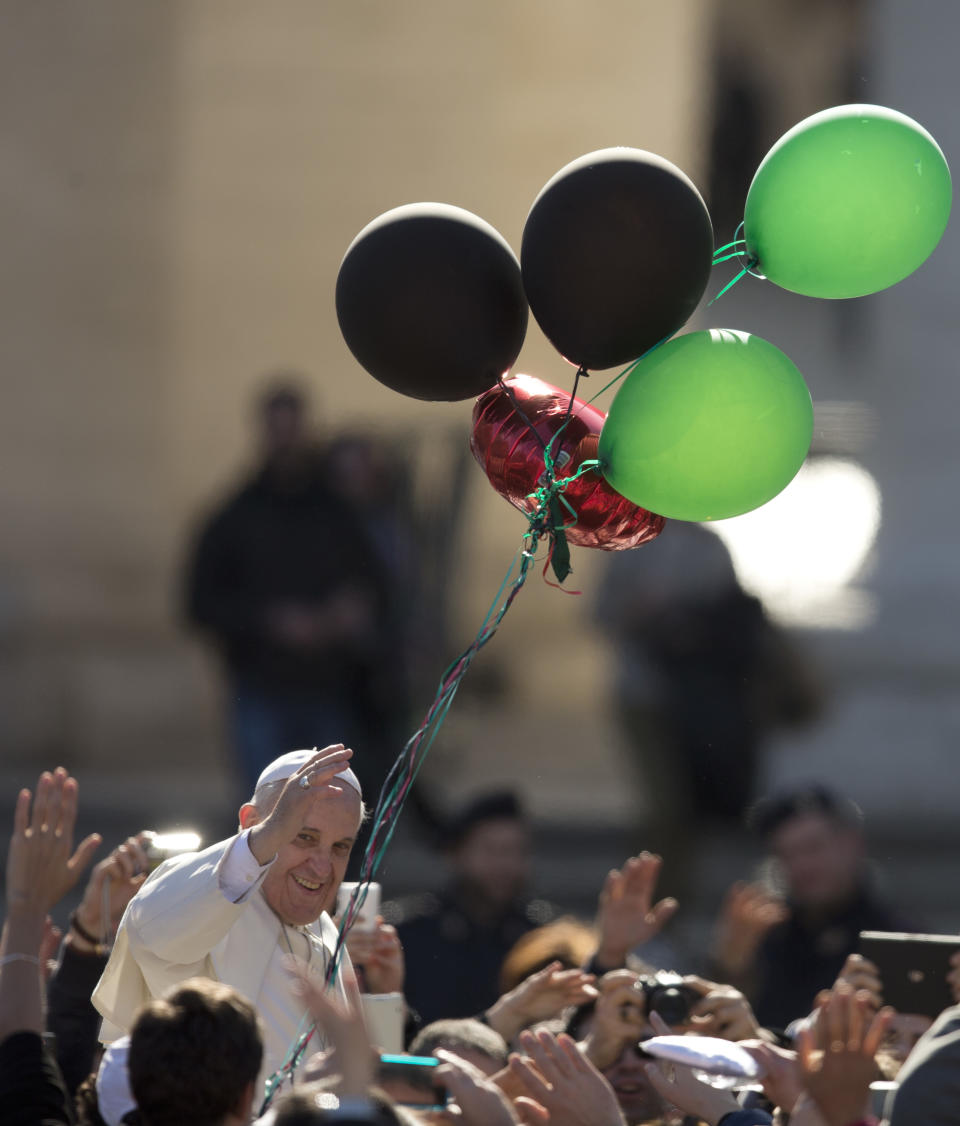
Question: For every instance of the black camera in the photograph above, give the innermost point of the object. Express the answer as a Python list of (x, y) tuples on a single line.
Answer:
[(665, 993)]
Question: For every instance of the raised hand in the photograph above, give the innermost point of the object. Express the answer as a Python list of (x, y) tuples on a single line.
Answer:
[(343, 1026), (619, 1018), (380, 954), (748, 913), (681, 1088), (627, 916), (722, 1011), (559, 1077), (540, 996), (481, 1101), (42, 865), (837, 1056), (782, 1082), (112, 884), (863, 977), (315, 779)]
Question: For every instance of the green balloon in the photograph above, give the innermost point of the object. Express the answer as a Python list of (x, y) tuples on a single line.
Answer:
[(848, 202), (709, 425)]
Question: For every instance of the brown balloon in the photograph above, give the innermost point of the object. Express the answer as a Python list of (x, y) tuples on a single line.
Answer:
[(509, 445)]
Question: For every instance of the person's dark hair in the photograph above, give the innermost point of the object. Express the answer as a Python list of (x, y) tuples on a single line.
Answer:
[(498, 805), (767, 815), (193, 1054), (458, 1035), (315, 1103)]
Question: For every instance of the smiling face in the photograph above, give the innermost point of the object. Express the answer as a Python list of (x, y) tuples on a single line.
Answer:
[(306, 874), (637, 1098)]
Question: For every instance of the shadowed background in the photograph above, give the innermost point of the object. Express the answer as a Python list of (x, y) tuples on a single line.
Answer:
[(178, 183)]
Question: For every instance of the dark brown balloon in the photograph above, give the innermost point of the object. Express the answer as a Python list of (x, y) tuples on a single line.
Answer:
[(430, 301), (617, 251), (511, 455)]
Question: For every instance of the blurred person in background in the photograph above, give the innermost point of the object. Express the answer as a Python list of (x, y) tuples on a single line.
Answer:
[(456, 939), (284, 578), (782, 949), (702, 678), (371, 475)]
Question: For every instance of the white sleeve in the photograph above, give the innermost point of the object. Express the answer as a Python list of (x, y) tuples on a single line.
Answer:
[(240, 872)]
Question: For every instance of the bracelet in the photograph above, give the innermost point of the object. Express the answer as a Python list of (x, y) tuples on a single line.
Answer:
[(7, 958), (75, 925)]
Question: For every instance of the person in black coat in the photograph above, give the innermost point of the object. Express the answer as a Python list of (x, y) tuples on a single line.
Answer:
[(455, 940), (783, 952), (286, 581)]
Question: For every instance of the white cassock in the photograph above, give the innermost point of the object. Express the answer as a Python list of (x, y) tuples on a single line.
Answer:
[(204, 915)]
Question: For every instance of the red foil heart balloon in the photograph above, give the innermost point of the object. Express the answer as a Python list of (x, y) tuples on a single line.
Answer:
[(512, 458)]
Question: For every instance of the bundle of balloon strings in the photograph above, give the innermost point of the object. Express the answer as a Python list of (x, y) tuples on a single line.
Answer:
[(546, 519)]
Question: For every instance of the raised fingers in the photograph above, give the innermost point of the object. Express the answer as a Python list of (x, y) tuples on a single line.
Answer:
[(527, 1075), (138, 852), (67, 813), (329, 756), (877, 1030), (542, 1048), (854, 1024), (324, 766), (568, 1046), (84, 853), (21, 814), (41, 802)]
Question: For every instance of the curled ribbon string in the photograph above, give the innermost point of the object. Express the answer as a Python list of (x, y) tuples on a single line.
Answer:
[(544, 519)]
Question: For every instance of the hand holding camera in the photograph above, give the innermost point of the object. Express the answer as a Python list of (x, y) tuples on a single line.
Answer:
[(619, 1019), (720, 1010)]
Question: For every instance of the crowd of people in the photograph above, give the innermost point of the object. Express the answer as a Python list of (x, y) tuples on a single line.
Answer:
[(213, 989)]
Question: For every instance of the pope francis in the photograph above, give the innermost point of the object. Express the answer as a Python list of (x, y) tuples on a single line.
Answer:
[(233, 911)]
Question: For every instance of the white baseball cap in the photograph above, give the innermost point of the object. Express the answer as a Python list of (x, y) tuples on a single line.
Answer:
[(287, 765)]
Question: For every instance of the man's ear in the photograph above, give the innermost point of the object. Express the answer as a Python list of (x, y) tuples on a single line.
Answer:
[(249, 815)]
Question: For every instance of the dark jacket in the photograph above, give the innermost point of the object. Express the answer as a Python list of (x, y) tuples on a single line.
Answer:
[(929, 1091), (32, 1092), (71, 1017), (799, 957), (453, 962), (271, 544)]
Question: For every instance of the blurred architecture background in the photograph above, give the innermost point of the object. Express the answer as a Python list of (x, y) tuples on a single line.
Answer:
[(178, 183)]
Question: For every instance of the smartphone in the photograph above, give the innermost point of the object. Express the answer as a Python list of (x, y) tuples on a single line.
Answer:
[(421, 1092), (366, 919), (913, 968), (385, 1016)]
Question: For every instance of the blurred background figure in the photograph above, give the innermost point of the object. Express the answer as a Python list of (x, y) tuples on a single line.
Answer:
[(457, 937), (372, 477), (783, 948), (286, 581), (145, 211), (702, 677)]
